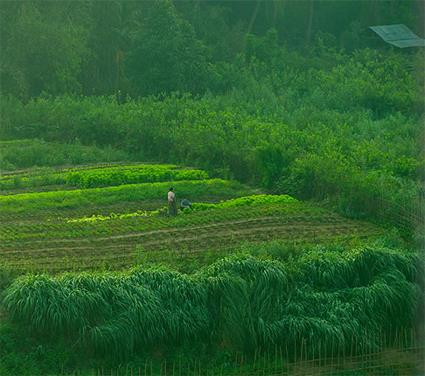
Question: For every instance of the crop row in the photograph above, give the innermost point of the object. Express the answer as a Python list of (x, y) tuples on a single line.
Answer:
[(44, 229), (57, 255), (257, 199), (95, 248), (34, 172), (102, 176), (66, 199), (126, 254)]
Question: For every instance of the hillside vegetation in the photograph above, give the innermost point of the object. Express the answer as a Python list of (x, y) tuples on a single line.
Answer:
[(324, 137), (295, 132)]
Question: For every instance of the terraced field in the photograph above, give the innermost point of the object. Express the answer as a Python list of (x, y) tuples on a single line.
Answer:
[(75, 230)]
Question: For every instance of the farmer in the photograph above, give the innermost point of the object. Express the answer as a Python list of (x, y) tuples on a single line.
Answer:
[(172, 207)]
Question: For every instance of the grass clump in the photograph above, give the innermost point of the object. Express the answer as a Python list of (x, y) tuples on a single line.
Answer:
[(241, 303)]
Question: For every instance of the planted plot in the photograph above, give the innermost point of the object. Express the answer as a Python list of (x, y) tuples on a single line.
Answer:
[(113, 241), (45, 201), (92, 228), (101, 176)]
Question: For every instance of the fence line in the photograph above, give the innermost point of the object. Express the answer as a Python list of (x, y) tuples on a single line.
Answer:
[(403, 353)]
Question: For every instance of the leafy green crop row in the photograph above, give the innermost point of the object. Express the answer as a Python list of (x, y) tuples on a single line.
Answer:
[(103, 176), (243, 201), (118, 176), (197, 206), (330, 299), (33, 202), (125, 223)]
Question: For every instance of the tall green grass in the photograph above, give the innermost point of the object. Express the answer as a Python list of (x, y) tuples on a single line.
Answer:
[(332, 300)]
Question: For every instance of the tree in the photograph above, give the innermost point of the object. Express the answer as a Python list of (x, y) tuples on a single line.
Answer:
[(166, 56), (103, 71), (43, 52)]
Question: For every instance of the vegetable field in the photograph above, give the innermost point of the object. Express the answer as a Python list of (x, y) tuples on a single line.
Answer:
[(110, 227), (292, 134), (97, 262)]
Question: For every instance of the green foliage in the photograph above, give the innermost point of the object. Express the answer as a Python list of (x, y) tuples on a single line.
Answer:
[(43, 50), (23, 355), (166, 56), (332, 298)]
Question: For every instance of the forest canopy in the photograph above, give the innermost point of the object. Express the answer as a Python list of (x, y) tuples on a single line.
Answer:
[(158, 47)]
